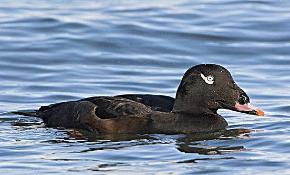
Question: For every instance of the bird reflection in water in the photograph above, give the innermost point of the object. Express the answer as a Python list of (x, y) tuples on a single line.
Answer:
[(189, 143)]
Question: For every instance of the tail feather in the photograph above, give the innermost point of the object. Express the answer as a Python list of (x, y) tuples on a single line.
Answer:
[(33, 113)]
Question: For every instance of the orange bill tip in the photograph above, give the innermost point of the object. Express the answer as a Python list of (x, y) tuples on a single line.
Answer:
[(260, 112)]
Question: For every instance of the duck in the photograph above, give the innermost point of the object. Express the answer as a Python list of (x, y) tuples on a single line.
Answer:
[(203, 90)]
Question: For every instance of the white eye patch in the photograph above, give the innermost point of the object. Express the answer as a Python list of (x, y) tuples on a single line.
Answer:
[(209, 79)]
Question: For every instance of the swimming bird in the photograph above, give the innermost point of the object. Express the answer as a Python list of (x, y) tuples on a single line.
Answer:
[(203, 90)]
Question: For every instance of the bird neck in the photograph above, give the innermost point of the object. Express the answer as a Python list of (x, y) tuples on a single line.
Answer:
[(192, 104)]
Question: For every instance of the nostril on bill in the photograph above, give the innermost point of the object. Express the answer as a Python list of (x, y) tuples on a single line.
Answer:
[(243, 99)]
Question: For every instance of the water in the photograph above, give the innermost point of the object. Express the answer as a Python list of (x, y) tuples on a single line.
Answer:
[(53, 51)]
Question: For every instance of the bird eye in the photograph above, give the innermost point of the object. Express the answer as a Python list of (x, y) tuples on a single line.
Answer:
[(209, 79)]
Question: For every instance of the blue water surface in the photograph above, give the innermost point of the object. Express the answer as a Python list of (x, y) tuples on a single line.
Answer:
[(52, 51)]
